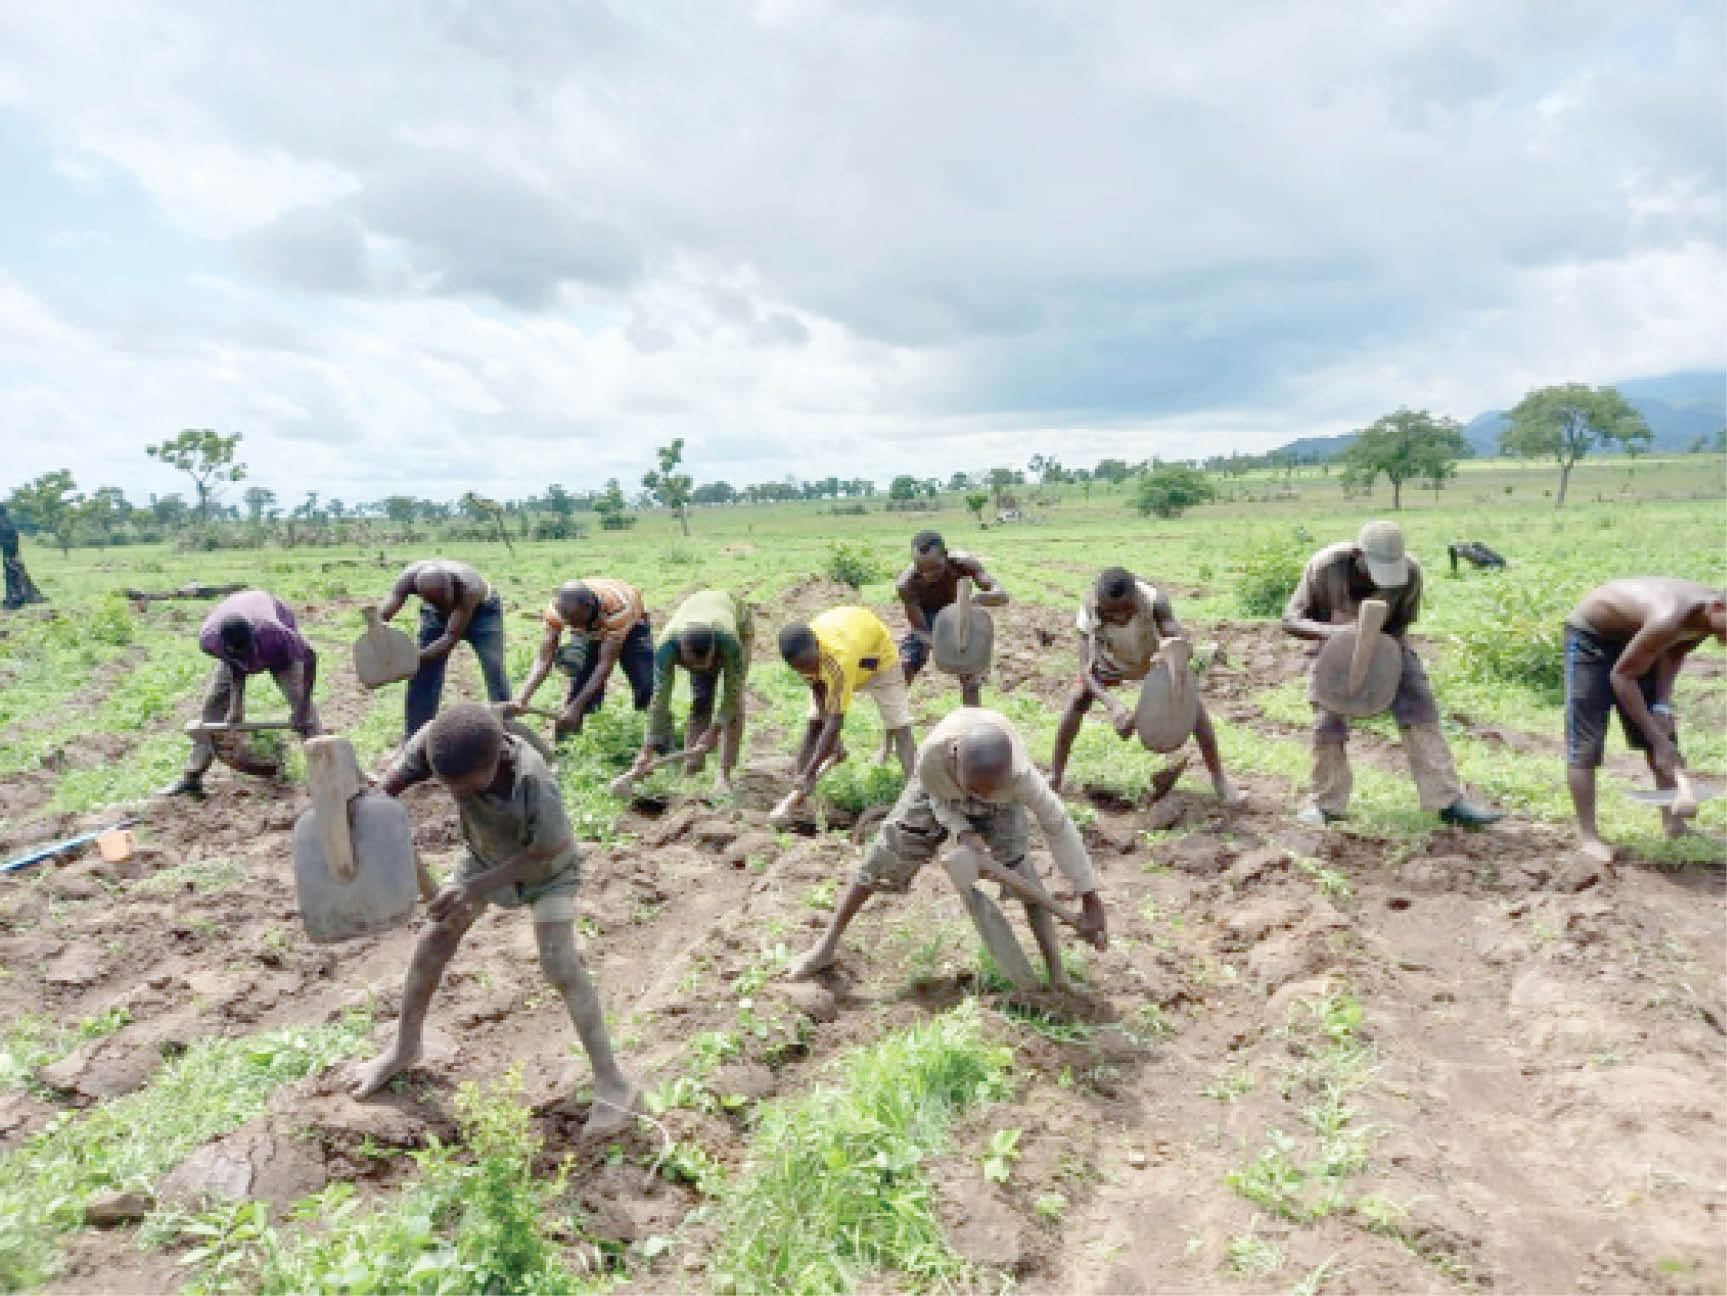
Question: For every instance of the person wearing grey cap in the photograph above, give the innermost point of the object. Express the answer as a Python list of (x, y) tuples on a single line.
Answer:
[(1337, 580)]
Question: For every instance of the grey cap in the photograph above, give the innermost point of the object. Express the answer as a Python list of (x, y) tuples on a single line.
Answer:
[(1381, 544)]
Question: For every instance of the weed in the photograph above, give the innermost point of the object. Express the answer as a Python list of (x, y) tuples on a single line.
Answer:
[(999, 1157), (1269, 571), (1051, 1206), (1230, 1085), (1053, 1027), (1247, 1255), (823, 894), (1332, 884), (200, 876), (854, 565)]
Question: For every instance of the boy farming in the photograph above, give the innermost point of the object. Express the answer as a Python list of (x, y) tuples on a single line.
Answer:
[(249, 633), (1328, 599), (1122, 623), (928, 585), (456, 603), (1624, 646), (711, 636), (608, 625), (975, 783), (520, 852)]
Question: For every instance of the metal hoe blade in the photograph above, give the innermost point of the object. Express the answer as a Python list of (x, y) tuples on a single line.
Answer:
[(991, 923)]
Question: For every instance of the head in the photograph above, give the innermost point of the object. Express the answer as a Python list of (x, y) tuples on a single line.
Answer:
[(435, 587), (799, 648), (984, 757), (235, 633), (1379, 549), (928, 553), (577, 604), (464, 743), (1114, 592), (699, 649)]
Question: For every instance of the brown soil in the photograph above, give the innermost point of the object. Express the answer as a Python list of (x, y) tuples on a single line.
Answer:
[(1549, 1038)]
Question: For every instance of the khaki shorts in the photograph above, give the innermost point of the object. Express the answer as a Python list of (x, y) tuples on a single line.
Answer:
[(553, 900), (911, 836), (887, 688)]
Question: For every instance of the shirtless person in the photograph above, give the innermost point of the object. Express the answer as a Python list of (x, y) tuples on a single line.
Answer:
[(1335, 583), (608, 625), (456, 603), (520, 854), (1122, 623), (975, 783), (1624, 645), (925, 588), (249, 633), (842, 652)]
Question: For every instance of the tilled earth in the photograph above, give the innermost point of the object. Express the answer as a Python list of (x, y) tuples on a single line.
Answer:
[(1544, 1101)]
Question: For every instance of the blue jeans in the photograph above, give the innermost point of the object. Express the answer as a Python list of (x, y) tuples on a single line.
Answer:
[(485, 633)]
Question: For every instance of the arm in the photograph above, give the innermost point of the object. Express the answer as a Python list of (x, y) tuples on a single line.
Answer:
[(454, 626), (610, 648), (1648, 649), (826, 738), (1069, 851), (542, 665), (236, 695), (1301, 614), (1119, 714), (986, 592), (301, 718), (410, 767), (398, 595), (462, 895), (659, 729), (914, 616), (1164, 615)]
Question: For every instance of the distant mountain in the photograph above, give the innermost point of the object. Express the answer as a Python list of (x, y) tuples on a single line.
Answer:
[(1679, 407)]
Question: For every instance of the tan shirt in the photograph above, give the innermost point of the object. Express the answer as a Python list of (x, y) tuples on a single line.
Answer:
[(938, 775), (1123, 651), (1331, 590)]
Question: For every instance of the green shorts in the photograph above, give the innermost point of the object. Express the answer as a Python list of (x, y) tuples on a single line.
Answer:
[(552, 900)]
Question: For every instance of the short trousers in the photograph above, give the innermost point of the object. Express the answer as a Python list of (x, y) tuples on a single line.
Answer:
[(887, 688), (911, 836), (1589, 698), (914, 651), (553, 900)]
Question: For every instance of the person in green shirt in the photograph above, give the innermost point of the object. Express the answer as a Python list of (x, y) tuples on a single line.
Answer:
[(710, 635)]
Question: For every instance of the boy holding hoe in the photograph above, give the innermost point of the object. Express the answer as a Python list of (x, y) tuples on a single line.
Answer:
[(520, 853)]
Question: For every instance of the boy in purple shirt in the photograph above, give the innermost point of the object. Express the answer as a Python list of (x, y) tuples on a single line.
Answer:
[(249, 633)]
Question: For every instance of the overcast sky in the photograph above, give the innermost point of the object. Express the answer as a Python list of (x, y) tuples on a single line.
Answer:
[(492, 244)]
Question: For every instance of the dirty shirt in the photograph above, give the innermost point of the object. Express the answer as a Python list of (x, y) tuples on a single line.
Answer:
[(1122, 651), (1332, 591), (276, 639)]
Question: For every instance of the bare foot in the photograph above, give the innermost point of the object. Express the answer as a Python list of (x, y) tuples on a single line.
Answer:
[(613, 1111), (382, 1069), (1229, 794), (722, 784), (817, 960), (1166, 778), (1597, 850)]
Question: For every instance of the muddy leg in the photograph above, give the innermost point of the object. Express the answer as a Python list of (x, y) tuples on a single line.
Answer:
[(907, 748), (1206, 737), (614, 1095), (1671, 824), (1581, 780), (1048, 943), (822, 954), (432, 954), (1078, 703)]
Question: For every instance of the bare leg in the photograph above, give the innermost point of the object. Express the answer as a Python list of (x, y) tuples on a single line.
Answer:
[(971, 693), (1078, 703), (730, 741), (1043, 928), (907, 748), (432, 954), (1671, 824), (1206, 737), (614, 1095), (822, 954), (1581, 780)]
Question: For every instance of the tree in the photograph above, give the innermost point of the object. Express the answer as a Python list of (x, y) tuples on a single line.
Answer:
[(959, 482), (976, 501), (1406, 446), (719, 492), (105, 511), (204, 455), (482, 509), (49, 505), (609, 504), (671, 489), (1113, 471), (1169, 488), (1569, 421), (903, 487), (169, 510), (401, 509)]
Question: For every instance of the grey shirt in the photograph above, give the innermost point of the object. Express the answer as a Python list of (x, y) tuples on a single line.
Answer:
[(937, 774), (1332, 591), (499, 827)]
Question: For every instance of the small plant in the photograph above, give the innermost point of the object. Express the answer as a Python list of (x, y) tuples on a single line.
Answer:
[(1003, 1151), (1051, 1206), (1248, 1255), (854, 565), (1270, 571), (1230, 1085)]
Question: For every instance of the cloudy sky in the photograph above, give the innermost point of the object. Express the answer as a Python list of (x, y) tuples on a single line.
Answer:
[(492, 244)]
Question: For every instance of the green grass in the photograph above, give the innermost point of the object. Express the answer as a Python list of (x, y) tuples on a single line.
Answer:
[(215, 1086), (833, 1191), (32, 1042)]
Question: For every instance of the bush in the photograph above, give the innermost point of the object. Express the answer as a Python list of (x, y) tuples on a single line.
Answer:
[(1170, 488), (1517, 637), (1270, 570), (854, 565)]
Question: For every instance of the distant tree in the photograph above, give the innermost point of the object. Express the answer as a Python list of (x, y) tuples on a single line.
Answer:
[(714, 493), (672, 489), (1048, 469), (1170, 488), (999, 481), (307, 509), (959, 482), (401, 509), (105, 512), (1567, 422), (1408, 445), (169, 510), (482, 509), (610, 505), (1113, 471), (977, 501), (49, 505), (204, 455)]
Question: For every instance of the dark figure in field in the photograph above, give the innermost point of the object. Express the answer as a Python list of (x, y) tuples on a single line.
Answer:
[(974, 783), (1624, 645), (1122, 623), (456, 603), (608, 625), (928, 585), (520, 854), (711, 635), (20, 589), (840, 653), (1338, 579), (1473, 552), (249, 633)]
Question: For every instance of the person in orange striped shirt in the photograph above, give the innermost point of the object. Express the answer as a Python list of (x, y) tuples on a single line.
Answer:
[(608, 626)]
